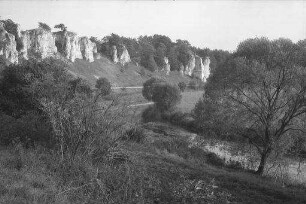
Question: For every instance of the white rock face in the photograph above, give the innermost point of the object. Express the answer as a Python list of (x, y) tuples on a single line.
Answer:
[(38, 43), (114, 54), (124, 58), (190, 66), (74, 47), (166, 68), (201, 70), (88, 49), (8, 45)]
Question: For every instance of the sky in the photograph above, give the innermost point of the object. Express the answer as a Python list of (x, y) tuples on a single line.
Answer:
[(212, 24)]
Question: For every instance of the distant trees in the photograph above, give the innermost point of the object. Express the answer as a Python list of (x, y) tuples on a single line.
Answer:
[(61, 26), (258, 95), (44, 26), (103, 86)]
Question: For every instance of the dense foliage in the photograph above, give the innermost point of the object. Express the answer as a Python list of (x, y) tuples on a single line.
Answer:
[(104, 86), (257, 94)]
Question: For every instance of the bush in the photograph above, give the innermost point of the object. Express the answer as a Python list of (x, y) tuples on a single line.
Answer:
[(44, 26), (182, 85), (214, 159), (104, 86), (166, 97), (151, 114), (149, 86), (135, 134)]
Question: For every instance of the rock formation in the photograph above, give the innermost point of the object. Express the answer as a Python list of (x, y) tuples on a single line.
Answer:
[(8, 45), (166, 68), (73, 47), (114, 54), (201, 70), (37, 43), (188, 69), (88, 49), (122, 56)]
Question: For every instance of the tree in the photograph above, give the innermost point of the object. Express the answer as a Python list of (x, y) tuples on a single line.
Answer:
[(104, 86), (261, 97), (44, 26), (148, 87), (182, 85), (166, 97), (147, 57), (61, 26)]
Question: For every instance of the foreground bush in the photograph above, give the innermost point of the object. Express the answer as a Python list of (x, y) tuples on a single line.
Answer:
[(166, 97), (149, 86), (151, 114)]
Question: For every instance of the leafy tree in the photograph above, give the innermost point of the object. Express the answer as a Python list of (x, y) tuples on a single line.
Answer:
[(148, 87), (104, 86), (160, 55), (182, 85), (261, 98), (174, 62), (23, 85), (61, 26), (184, 54), (166, 97), (147, 57), (44, 26)]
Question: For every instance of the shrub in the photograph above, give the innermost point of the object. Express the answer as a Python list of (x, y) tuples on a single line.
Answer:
[(104, 86), (182, 85), (149, 86), (150, 114), (214, 159), (135, 134), (166, 97), (44, 26)]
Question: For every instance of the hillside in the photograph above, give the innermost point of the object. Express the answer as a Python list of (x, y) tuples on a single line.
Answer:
[(128, 75)]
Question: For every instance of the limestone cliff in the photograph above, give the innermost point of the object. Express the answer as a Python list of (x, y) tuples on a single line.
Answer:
[(73, 47), (166, 68), (88, 49), (114, 54), (201, 70), (8, 45), (122, 56), (37, 43), (188, 70)]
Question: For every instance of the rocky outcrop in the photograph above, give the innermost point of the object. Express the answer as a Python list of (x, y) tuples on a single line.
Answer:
[(73, 47), (88, 49), (188, 70), (8, 45), (166, 68), (37, 43), (114, 54), (201, 70), (122, 56)]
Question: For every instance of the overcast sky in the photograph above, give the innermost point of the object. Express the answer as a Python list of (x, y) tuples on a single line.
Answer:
[(212, 24)]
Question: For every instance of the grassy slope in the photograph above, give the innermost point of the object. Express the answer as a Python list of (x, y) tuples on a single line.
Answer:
[(166, 154), (118, 75)]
